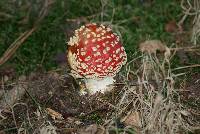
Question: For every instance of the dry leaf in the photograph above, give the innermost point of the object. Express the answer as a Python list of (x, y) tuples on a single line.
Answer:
[(151, 46), (92, 129), (54, 115), (171, 27), (132, 119), (78, 122), (47, 129), (71, 120), (184, 112)]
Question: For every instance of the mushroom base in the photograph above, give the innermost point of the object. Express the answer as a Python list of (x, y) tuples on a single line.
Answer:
[(99, 85)]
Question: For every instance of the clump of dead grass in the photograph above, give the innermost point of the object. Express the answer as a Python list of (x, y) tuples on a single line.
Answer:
[(153, 103), (191, 8)]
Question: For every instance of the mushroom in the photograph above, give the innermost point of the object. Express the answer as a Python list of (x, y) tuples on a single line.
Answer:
[(96, 54)]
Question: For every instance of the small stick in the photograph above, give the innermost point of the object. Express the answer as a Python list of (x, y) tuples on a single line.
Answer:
[(17, 43), (184, 67)]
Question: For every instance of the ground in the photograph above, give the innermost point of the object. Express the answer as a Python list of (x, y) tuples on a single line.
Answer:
[(38, 94)]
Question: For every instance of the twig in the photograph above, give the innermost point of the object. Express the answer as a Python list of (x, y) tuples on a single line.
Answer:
[(44, 54), (15, 45), (184, 67), (19, 41), (5, 16), (185, 49), (192, 8), (83, 18)]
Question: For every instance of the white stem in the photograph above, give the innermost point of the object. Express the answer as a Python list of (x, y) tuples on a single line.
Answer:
[(99, 85)]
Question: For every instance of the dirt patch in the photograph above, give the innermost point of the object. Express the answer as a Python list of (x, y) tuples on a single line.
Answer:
[(52, 103), (190, 95), (61, 95)]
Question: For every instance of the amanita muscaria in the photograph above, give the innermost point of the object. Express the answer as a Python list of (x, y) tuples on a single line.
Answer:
[(96, 54)]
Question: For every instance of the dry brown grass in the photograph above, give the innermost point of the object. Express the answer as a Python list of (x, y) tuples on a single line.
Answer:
[(152, 100), (151, 105), (191, 8), (157, 103)]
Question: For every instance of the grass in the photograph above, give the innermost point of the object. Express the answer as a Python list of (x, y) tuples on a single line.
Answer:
[(135, 20), (94, 117)]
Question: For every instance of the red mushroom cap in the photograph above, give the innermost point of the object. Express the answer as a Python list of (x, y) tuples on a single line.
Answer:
[(95, 52)]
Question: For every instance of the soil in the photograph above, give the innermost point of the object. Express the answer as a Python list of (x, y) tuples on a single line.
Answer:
[(190, 95), (53, 98), (60, 94)]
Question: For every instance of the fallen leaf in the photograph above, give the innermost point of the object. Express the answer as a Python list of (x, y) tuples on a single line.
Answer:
[(132, 119), (54, 115), (92, 129), (151, 46), (171, 27), (48, 129), (78, 122), (184, 112), (70, 120)]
